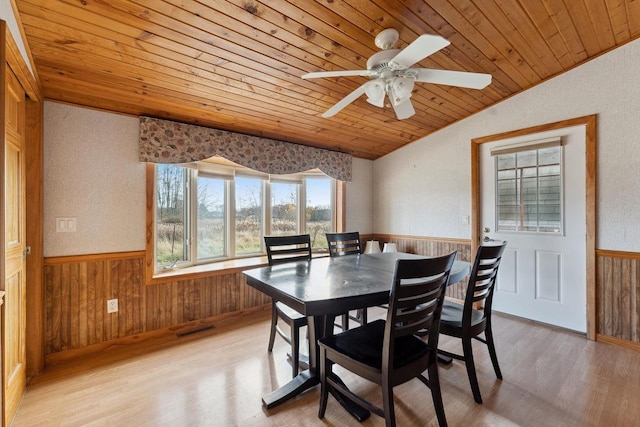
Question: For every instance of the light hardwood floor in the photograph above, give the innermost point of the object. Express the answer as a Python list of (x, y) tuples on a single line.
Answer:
[(216, 378)]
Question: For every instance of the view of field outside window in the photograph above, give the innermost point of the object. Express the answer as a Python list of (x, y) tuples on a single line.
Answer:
[(284, 208), (211, 217), (245, 216), (318, 210), (170, 214), (248, 215)]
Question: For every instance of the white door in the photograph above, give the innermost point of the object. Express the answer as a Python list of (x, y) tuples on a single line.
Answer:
[(542, 275)]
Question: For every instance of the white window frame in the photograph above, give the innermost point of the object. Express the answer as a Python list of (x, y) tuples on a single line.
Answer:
[(229, 173)]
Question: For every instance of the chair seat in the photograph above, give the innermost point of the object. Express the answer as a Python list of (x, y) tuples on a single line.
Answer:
[(452, 315), (291, 313), (364, 344)]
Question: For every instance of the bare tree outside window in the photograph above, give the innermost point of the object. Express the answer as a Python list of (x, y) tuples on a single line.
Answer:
[(248, 215), (318, 210), (284, 208), (170, 214)]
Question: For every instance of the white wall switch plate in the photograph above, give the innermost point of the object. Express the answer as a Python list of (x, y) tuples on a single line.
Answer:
[(66, 224)]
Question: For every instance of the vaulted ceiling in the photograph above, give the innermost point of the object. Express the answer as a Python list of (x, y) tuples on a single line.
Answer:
[(236, 64)]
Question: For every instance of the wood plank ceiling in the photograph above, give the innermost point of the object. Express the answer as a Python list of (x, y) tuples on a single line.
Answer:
[(236, 64)]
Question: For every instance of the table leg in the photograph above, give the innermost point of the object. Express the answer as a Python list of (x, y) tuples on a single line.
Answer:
[(445, 360), (318, 327), (302, 382)]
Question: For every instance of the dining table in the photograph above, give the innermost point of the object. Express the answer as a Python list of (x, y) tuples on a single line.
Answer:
[(324, 288)]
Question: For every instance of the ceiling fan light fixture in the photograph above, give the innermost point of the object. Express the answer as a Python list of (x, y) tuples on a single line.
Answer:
[(393, 74), (375, 93), (401, 89)]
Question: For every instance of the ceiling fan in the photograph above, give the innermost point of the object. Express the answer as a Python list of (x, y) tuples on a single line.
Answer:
[(392, 75)]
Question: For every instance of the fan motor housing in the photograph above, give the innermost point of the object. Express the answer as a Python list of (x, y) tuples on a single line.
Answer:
[(380, 61)]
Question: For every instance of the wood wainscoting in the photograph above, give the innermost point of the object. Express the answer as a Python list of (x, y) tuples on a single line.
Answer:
[(434, 246), (77, 289), (618, 297)]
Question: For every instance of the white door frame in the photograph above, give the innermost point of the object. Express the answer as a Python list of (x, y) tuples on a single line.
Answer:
[(590, 239)]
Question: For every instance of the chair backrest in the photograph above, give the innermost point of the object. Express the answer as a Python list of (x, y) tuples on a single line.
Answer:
[(482, 280), (281, 249), (416, 299), (344, 243)]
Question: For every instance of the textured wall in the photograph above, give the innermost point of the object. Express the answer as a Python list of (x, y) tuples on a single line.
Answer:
[(431, 178), (91, 172), (359, 198)]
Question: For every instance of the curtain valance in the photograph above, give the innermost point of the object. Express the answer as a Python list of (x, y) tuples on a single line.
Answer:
[(165, 141)]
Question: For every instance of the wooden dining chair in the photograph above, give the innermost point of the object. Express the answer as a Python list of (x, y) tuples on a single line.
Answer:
[(465, 322), (280, 250), (341, 244), (388, 352)]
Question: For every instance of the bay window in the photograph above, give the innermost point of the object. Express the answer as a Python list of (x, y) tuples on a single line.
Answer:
[(208, 212)]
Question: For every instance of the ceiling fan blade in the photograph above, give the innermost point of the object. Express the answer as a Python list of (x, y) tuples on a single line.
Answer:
[(323, 74), (419, 49), (346, 100), (404, 110), (453, 78)]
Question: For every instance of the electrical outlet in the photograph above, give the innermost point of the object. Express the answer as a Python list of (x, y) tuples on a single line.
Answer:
[(112, 305)]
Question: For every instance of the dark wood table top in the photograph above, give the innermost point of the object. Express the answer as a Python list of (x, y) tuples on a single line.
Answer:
[(335, 285)]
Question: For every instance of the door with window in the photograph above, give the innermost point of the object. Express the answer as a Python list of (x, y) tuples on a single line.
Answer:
[(533, 195)]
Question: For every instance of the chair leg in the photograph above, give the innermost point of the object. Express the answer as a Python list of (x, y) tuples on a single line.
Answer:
[(387, 400), (295, 351), (362, 315), (274, 322), (471, 368), (324, 387), (436, 394), (488, 333), (345, 322)]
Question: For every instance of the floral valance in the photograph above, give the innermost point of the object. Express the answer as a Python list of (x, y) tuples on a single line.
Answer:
[(164, 141)]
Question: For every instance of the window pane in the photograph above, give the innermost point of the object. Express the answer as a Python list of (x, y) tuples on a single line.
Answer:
[(507, 162), (549, 156), (526, 158), (171, 214), (319, 211), (507, 194), (529, 188), (284, 209), (248, 215), (211, 217)]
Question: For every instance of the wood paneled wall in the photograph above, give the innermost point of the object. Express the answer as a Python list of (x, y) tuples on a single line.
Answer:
[(618, 295), (76, 290), (434, 247)]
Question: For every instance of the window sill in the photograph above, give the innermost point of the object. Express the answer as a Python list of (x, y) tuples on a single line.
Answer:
[(213, 269)]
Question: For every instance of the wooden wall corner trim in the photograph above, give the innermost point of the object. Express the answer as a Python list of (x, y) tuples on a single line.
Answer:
[(19, 67), (16, 14), (92, 257), (617, 254)]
